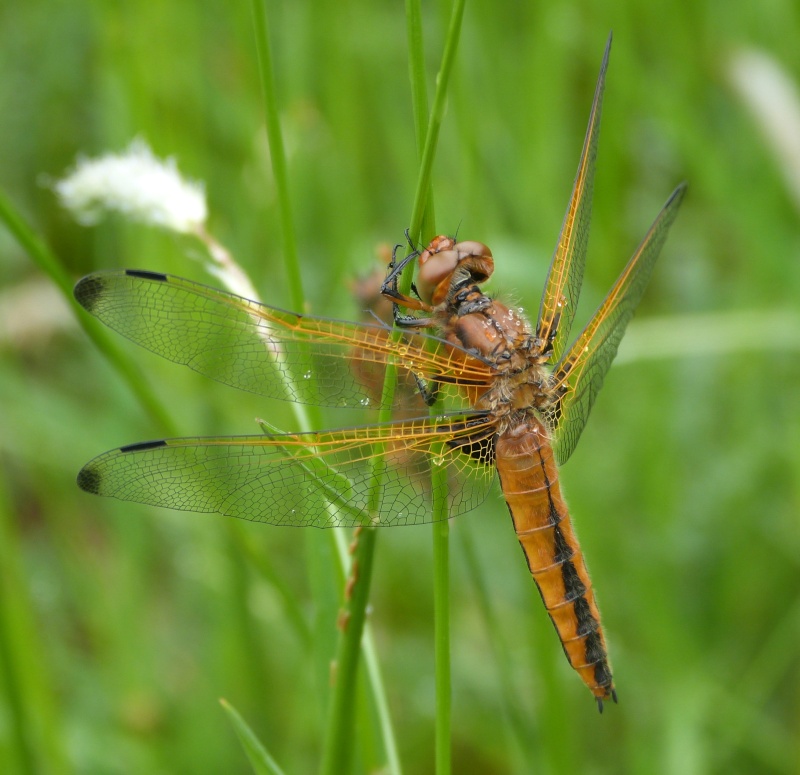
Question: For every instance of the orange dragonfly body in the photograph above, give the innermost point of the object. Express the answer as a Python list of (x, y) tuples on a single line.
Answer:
[(512, 399)]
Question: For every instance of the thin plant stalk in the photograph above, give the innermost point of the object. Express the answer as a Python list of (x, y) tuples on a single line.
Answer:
[(519, 730), (277, 154), (441, 611), (372, 664), (339, 727), (260, 759), (422, 212), (437, 114), (419, 99), (337, 746), (33, 736)]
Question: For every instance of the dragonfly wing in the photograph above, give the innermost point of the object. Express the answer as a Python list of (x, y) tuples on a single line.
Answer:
[(321, 479), (263, 349), (579, 375), (563, 285)]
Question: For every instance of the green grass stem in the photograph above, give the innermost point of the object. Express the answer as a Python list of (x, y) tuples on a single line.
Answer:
[(684, 488), (338, 731), (257, 754), (419, 103), (518, 727), (422, 212), (34, 723), (436, 116), (337, 745), (277, 154)]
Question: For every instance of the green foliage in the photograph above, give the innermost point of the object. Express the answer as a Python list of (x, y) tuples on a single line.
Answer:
[(122, 626), (261, 761)]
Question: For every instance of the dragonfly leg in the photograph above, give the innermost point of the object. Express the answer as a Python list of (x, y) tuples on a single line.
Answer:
[(409, 302), (409, 321), (389, 286)]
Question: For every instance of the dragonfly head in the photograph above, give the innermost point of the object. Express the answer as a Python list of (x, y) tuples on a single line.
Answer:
[(440, 260)]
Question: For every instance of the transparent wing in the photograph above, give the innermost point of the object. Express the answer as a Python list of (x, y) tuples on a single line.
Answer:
[(323, 479), (265, 350), (579, 376), (563, 285)]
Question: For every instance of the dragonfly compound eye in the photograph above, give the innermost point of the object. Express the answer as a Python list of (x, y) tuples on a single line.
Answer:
[(441, 258)]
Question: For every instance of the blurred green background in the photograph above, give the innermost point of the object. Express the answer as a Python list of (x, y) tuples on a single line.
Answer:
[(123, 625)]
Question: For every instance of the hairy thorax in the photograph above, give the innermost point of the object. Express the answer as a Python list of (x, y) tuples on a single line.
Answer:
[(503, 337)]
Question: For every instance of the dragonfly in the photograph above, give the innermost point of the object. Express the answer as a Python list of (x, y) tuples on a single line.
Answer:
[(509, 399)]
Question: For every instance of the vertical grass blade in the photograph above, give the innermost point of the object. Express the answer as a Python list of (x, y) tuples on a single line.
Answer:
[(337, 747), (339, 722), (437, 114), (441, 609), (422, 212), (32, 738), (419, 103), (277, 154), (263, 763), (520, 731)]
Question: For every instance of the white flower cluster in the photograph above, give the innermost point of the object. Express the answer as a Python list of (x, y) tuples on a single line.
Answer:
[(136, 184)]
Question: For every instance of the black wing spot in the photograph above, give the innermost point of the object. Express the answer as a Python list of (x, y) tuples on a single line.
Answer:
[(88, 291), (145, 275), (89, 479), (142, 445)]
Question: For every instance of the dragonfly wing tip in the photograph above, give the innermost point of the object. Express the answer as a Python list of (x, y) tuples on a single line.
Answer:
[(88, 290), (89, 479)]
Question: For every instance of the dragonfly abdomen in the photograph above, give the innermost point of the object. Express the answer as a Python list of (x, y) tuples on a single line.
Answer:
[(541, 520)]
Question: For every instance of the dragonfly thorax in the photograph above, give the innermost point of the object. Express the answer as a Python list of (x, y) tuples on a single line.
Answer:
[(502, 337)]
